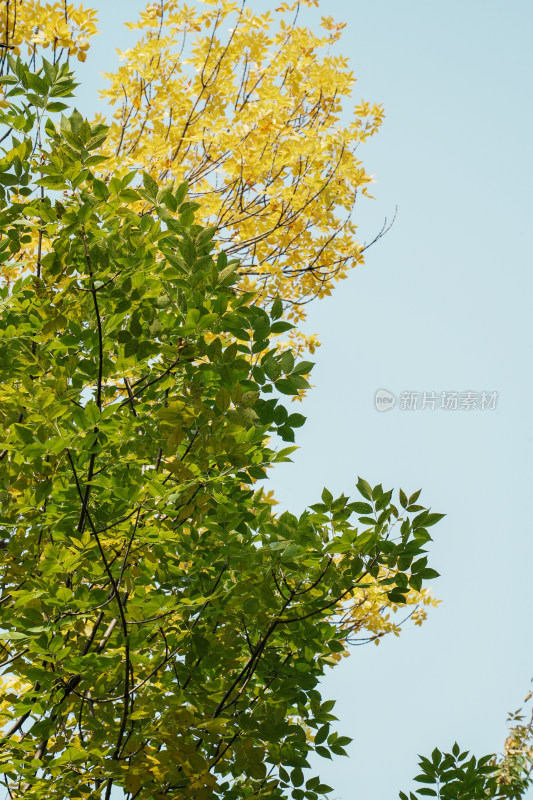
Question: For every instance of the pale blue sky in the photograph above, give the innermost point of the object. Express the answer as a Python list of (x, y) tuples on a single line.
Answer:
[(442, 304)]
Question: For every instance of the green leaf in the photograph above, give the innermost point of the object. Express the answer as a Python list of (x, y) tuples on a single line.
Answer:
[(131, 348), (291, 385), (364, 488), (362, 508), (51, 182), (327, 497), (296, 420), (287, 361), (271, 367), (42, 491), (207, 321), (92, 413), (322, 734), (100, 190), (136, 329), (23, 433), (170, 201), (432, 519), (193, 316), (181, 192), (150, 185), (428, 574), (225, 276), (303, 368), (8, 180), (297, 776), (281, 327), (56, 106), (277, 308), (222, 399)]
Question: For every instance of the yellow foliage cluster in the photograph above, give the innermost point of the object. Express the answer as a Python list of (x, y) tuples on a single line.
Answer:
[(366, 615), (61, 26), (11, 688), (248, 108)]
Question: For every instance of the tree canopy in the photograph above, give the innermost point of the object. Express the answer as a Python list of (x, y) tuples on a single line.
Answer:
[(163, 630)]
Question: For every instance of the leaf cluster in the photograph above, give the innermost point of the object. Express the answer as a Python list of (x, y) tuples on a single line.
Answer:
[(461, 776)]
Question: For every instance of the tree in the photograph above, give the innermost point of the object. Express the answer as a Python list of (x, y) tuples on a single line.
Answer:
[(456, 776), (162, 629), (247, 108), (253, 125)]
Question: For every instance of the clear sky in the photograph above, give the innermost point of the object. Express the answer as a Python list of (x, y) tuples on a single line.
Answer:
[(442, 304)]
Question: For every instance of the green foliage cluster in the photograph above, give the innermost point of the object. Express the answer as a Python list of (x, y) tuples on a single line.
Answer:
[(456, 776)]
